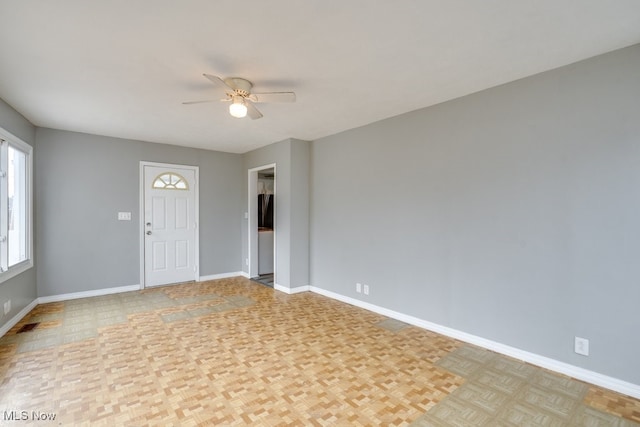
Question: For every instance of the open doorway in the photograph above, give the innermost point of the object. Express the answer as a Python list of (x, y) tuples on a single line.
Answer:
[(262, 224)]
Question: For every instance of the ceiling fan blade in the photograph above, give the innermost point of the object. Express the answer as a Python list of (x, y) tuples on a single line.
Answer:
[(252, 111), (198, 102), (273, 97), (219, 82)]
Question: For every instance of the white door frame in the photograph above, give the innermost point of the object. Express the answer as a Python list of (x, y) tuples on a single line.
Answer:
[(141, 229), (252, 231)]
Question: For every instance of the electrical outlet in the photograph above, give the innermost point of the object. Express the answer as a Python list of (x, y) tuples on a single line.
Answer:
[(581, 346), (246, 261), (366, 289), (358, 287), (7, 307)]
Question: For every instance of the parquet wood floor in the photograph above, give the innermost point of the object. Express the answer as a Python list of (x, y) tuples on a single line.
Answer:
[(233, 352)]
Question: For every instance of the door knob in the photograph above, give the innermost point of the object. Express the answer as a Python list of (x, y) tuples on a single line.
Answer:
[(149, 233), (148, 224)]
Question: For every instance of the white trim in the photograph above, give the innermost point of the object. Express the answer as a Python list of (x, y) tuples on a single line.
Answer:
[(221, 276), (291, 291), (27, 149), (88, 294), (18, 317), (141, 224), (576, 372), (14, 270), (196, 170), (244, 274)]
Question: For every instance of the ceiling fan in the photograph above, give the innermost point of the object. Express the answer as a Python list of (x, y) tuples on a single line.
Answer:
[(238, 92)]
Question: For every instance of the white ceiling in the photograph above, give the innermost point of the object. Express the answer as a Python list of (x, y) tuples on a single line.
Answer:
[(123, 68)]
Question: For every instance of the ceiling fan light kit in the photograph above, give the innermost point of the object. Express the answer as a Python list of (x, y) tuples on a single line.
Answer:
[(238, 91), (238, 109)]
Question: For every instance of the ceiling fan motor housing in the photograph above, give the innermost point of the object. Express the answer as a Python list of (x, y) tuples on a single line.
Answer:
[(241, 86)]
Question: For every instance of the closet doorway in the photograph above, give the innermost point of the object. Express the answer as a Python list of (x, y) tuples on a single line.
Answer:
[(262, 224)]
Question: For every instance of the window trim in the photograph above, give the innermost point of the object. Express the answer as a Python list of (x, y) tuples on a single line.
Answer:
[(17, 143), (170, 186)]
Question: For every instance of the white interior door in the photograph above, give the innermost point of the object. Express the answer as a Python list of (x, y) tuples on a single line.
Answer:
[(170, 226)]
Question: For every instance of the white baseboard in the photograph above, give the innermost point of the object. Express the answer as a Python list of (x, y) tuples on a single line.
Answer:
[(119, 289), (576, 372), (244, 274), (291, 291), (88, 294), (299, 289), (222, 276), (18, 317)]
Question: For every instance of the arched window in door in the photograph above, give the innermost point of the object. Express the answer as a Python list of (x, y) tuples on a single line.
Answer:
[(170, 181)]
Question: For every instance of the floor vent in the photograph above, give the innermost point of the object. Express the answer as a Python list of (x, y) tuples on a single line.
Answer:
[(28, 327)]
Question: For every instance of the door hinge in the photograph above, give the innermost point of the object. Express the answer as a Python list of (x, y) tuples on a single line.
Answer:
[(3, 174)]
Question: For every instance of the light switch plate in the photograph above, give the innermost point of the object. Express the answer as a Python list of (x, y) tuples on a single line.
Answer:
[(124, 216)]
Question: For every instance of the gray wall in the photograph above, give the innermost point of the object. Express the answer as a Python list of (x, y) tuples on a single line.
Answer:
[(21, 289), (512, 214), (84, 180), (300, 179), (292, 208)]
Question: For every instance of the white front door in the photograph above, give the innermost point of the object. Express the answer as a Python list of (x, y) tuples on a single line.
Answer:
[(170, 226)]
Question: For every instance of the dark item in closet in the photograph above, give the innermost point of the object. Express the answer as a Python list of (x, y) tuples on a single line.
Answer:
[(265, 210)]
